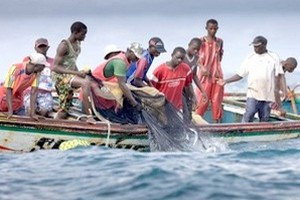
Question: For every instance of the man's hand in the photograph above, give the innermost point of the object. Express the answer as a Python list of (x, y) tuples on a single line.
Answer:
[(36, 117), (81, 73), (204, 97), (221, 82), (204, 71)]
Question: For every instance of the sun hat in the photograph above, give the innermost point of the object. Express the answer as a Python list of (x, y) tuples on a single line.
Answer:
[(39, 59), (137, 49), (111, 49), (158, 44), (41, 41), (259, 40)]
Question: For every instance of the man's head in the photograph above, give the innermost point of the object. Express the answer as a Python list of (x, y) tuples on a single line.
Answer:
[(156, 46), (260, 44), (134, 51), (289, 65), (110, 51), (212, 27), (38, 62), (41, 46), (194, 46), (178, 55), (79, 30)]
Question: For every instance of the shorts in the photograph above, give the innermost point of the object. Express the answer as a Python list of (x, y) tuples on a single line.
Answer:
[(64, 90), (44, 101)]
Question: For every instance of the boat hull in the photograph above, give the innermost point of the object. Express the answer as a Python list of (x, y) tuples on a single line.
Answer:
[(22, 134)]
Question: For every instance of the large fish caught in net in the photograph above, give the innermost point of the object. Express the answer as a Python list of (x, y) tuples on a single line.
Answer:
[(168, 130)]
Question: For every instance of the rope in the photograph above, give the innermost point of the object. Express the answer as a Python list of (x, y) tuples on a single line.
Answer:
[(101, 118)]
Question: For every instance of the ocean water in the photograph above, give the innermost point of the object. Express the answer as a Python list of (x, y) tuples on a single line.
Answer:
[(240, 171)]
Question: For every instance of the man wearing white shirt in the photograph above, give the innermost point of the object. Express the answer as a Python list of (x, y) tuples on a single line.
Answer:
[(263, 69)]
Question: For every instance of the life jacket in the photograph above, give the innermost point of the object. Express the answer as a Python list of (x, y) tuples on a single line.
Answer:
[(21, 83)]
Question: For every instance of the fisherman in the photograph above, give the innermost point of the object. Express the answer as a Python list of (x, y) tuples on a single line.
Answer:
[(211, 53), (19, 78), (44, 98), (137, 72), (173, 77), (191, 59), (288, 65), (113, 72), (66, 75), (263, 69)]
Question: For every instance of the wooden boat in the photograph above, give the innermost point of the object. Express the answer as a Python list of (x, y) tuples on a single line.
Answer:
[(22, 134), (232, 130)]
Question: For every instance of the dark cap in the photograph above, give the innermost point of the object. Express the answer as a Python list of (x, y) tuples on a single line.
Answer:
[(259, 40), (41, 41), (158, 44)]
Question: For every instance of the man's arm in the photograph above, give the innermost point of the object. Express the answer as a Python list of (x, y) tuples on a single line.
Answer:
[(198, 84), (139, 74), (33, 96), (234, 78), (283, 86), (277, 89), (126, 91)]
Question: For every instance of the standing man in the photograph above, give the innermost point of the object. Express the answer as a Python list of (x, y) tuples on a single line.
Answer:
[(44, 100), (191, 59), (19, 78), (210, 56), (66, 75), (173, 77), (263, 69), (136, 74)]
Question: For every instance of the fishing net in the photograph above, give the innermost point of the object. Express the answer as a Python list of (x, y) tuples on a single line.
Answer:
[(168, 130)]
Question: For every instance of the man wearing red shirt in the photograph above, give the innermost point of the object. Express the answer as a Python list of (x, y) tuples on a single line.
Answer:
[(172, 77)]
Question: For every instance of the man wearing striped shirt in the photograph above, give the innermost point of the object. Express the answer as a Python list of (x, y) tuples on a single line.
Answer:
[(210, 56)]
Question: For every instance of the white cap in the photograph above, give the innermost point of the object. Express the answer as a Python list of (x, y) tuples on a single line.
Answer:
[(39, 59), (111, 49), (137, 49)]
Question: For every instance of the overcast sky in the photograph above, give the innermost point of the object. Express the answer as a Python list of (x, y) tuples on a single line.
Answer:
[(15, 8), (122, 22)]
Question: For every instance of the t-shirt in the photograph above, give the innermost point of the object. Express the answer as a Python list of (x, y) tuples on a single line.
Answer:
[(115, 67), (191, 62), (171, 82), (261, 70), (18, 81), (140, 68)]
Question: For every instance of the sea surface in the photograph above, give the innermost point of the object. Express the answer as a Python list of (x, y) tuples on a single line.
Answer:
[(240, 171)]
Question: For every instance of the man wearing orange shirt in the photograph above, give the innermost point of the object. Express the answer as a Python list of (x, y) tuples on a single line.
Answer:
[(19, 78)]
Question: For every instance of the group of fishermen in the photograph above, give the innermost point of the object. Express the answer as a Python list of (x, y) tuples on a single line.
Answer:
[(109, 87)]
